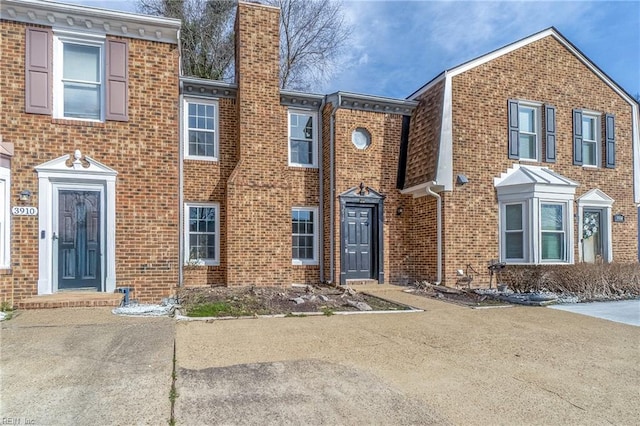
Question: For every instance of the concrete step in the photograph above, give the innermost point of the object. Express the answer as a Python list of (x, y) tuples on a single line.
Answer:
[(71, 299)]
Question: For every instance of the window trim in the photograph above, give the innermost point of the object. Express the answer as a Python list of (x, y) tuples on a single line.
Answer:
[(314, 143), (185, 127), (532, 224), (5, 224), (315, 260), (564, 231), (597, 118), (201, 262), (597, 200), (59, 39), (525, 231), (537, 109)]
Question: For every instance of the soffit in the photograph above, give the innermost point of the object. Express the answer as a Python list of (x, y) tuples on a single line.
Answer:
[(91, 20)]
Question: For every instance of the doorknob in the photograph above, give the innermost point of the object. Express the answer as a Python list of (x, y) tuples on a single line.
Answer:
[(54, 237)]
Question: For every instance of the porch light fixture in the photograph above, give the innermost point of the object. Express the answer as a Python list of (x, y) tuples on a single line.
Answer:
[(399, 211), (25, 195), (462, 179)]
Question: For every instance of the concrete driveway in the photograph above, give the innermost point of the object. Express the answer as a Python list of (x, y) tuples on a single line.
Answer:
[(449, 364), (85, 366)]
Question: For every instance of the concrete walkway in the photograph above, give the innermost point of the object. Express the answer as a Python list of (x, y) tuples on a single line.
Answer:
[(624, 311), (85, 366)]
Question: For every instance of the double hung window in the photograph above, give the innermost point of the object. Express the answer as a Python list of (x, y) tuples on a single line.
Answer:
[(202, 233), (590, 140), (200, 123), (514, 232), (303, 139), (78, 78), (553, 232), (304, 235), (529, 134)]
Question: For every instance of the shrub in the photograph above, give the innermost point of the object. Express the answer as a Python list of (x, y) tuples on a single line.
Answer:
[(588, 281)]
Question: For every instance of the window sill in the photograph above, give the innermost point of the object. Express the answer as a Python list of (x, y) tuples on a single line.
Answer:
[(302, 167), (6, 271), (77, 122), (305, 262), (201, 159), (200, 265)]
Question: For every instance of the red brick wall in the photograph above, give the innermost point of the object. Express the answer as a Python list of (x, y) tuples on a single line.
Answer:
[(424, 138), (543, 71), (144, 152), (262, 188), (206, 181), (376, 167)]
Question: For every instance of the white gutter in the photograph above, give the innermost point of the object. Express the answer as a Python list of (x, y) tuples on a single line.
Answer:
[(635, 147), (180, 191), (332, 191), (438, 198), (321, 195)]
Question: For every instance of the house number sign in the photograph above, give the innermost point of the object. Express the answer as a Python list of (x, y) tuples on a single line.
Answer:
[(24, 211)]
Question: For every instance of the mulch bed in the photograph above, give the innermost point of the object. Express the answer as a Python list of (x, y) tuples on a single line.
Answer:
[(466, 297), (247, 301)]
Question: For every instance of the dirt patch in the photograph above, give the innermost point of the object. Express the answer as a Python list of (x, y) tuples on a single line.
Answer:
[(466, 297), (248, 301)]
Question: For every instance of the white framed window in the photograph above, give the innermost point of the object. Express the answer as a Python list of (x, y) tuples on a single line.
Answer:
[(514, 233), (5, 218), (553, 232), (202, 233), (529, 132), (200, 129), (304, 235), (78, 76), (303, 138), (591, 139), (535, 231)]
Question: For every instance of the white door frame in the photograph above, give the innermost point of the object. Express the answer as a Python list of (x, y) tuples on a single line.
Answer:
[(83, 173), (597, 200), (55, 222)]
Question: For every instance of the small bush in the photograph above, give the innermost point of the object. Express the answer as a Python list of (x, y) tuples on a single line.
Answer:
[(588, 281)]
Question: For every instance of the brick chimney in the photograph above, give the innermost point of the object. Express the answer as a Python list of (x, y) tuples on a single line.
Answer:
[(258, 200)]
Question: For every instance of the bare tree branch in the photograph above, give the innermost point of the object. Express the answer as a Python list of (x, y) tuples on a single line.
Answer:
[(206, 37), (313, 34)]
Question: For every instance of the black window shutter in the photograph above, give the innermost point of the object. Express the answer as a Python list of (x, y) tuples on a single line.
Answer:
[(550, 133), (514, 127), (404, 147), (577, 137), (610, 135)]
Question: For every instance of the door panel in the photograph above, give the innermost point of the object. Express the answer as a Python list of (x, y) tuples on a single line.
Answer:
[(592, 241), (78, 239), (358, 242)]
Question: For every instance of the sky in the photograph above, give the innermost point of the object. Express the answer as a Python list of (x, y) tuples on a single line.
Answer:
[(396, 46)]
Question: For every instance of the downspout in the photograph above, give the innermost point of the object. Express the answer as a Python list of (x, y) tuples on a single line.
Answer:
[(438, 229), (180, 171), (180, 194), (332, 190), (321, 196)]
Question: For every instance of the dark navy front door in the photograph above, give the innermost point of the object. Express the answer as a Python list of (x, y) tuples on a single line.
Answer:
[(78, 239), (358, 247)]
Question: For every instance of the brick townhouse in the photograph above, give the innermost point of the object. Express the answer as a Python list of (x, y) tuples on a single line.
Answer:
[(149, 180), (90, 164)]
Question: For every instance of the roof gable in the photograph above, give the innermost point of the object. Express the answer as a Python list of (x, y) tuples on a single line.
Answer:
[(549, 32)]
